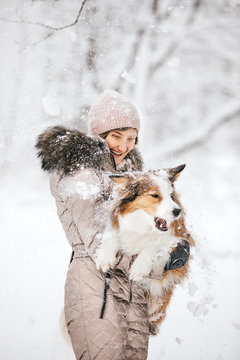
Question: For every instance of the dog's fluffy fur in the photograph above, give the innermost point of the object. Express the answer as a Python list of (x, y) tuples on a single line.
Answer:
[(147, 220)]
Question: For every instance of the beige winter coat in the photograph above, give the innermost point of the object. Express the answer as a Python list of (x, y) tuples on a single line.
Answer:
[(123, 331), (82, 191)]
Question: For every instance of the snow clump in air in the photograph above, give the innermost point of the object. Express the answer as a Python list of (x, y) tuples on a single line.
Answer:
[(86, 190), (50, 105), (82, 188)]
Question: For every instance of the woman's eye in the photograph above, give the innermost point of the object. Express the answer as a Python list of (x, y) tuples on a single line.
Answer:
[(156, 196)]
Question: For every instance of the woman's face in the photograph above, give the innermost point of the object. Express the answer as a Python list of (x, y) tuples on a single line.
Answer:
[(120, 142)]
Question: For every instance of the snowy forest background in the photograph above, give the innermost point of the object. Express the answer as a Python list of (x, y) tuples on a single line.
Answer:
[(178, 61)]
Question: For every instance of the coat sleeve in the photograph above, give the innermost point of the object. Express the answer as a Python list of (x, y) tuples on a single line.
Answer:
[(82, 207)]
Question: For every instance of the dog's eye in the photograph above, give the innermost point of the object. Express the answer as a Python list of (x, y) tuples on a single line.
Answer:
[(156, 196)]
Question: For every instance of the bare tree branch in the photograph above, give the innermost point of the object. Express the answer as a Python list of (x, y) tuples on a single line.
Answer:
[(91, 63), (164, 58), (50, 34), (93, 52), (132, 57), (196, 5), (195, 141), (174, 45), (155, 6), (206, 136), (54, 29)]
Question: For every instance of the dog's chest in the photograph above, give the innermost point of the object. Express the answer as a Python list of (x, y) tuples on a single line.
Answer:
[(153, 242)]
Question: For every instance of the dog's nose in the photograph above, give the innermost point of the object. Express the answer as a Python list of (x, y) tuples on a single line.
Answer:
[(176, 212)]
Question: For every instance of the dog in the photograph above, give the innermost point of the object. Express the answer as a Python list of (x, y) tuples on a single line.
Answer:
[(147, 222)]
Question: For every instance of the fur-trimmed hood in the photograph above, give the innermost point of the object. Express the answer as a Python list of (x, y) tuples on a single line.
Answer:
[(66, 151)]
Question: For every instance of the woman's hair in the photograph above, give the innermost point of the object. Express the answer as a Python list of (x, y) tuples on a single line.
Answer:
[(105, 134)]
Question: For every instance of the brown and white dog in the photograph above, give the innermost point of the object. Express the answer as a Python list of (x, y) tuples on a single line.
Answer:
[(147, 221)]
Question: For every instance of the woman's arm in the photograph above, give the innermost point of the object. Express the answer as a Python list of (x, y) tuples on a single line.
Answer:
[(82, 207)]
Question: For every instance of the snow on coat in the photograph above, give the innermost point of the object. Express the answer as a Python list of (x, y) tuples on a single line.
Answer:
[(81, 187)]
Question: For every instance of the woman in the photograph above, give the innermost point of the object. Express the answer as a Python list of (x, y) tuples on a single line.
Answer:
[(106, 315)]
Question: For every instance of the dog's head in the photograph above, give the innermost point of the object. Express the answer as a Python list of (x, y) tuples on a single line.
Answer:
[(152, 193)]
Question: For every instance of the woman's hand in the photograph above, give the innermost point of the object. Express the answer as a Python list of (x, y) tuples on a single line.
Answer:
[(179, 256)]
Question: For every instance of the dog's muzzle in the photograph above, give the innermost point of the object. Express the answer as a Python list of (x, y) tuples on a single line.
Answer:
[(160, 224)]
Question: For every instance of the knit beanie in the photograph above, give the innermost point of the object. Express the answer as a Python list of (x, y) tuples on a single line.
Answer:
[(112, 111)]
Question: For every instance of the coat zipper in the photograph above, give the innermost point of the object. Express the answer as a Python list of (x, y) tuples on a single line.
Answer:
[(130, 292), (106, 287)]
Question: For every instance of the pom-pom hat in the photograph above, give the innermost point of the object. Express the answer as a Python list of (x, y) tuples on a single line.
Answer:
[(112, 111)]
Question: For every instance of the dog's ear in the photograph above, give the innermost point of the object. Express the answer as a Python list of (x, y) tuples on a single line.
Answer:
[(174, 173), (120, 179)]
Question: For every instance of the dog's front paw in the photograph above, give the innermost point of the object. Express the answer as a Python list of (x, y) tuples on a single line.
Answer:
[(105, 263), (138, 273)]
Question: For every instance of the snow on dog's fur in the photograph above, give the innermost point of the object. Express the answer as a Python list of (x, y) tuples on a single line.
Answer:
[(147, 220)]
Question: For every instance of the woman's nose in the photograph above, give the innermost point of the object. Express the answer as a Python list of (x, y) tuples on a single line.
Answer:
[(122, 146)]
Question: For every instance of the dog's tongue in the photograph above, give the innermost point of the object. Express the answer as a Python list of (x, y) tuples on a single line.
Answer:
[(160, 224)]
